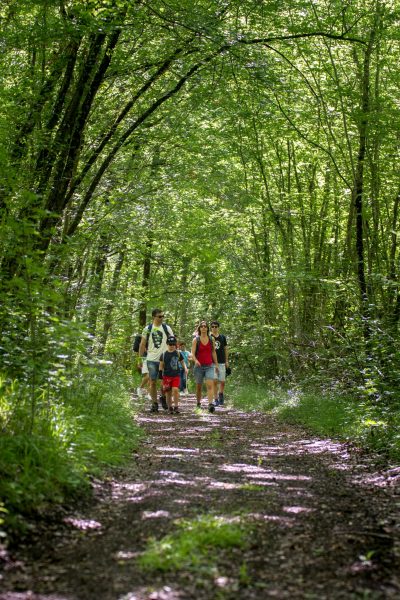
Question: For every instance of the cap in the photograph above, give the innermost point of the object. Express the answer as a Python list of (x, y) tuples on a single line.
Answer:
[(171, 340)]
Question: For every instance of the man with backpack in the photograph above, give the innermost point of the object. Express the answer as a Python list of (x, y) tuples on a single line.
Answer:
[(154, 341), (221, 348)]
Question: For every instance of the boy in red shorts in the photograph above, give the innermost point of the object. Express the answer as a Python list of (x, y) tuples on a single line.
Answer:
[(169, 366)]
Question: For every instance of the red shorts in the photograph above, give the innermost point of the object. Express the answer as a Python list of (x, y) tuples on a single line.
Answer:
[(170, 382)]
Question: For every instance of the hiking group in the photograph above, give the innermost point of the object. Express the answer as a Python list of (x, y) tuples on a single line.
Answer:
[(163, 358)]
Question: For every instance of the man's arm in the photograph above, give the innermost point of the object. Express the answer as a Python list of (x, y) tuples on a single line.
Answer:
[(226, 355), (142, 347), (214, 354)]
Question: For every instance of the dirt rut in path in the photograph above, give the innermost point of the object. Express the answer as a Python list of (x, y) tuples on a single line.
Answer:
[(318, 528)]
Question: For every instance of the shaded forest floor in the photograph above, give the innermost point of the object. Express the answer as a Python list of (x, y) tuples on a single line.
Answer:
[(324, 522)]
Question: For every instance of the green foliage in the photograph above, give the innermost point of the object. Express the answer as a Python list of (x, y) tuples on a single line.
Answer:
[(159, 154), (75, 435), (195, 544)]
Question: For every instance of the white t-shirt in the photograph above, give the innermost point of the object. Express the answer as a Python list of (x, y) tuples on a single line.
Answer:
[(157, 341)]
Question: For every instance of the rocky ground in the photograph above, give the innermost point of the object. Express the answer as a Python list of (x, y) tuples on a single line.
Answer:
[(323, 521)]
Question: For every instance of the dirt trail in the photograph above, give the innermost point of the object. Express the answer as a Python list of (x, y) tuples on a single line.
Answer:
[(323, 525)]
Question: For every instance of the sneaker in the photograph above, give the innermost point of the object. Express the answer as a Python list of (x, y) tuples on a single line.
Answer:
[(154, 407), (139, 392), (211, 408), (176, 410), (198, 405), (171, 411), (221, 399), (216, 402), (163, 401)]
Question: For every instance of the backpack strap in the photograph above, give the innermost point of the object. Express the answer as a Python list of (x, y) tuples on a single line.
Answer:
[(150, 327), (198, 343)]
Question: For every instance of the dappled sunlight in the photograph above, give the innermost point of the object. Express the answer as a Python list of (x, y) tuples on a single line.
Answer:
[(82, 524), (158, 514), (122, 490), (281, 520), (256, 472), (296, 510), (164, 593), (31, 596), (178, 450), (123, 555), (224, 485), (318, 446), (275, 476)]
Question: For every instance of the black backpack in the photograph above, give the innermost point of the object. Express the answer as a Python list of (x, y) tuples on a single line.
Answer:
[(136, 343)]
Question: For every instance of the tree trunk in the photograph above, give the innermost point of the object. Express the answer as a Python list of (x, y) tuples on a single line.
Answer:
[(110, 304)]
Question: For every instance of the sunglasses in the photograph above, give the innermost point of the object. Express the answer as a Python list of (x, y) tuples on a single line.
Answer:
[(214, 326), (160, 316)]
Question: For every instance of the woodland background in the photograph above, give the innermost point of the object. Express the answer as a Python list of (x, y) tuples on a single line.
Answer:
[(219, 159)]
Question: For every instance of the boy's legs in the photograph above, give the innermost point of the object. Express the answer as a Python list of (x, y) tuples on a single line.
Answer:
[(175, 396), (168, 395)]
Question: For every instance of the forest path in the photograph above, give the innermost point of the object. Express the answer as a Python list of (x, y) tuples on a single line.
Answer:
[(322, 526)]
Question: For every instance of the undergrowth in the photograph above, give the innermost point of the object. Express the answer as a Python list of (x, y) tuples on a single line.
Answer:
[(51, 445), (367, 422), (194, 545)]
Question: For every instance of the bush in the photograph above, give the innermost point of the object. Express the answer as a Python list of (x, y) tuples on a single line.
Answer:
[(49, 458)]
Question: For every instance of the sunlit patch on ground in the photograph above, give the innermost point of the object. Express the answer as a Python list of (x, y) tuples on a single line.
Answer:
[(281, 520), (255, 472), (171, 449), (296, 510), (317, 446), (164, 593), (32, 596), (124, 555), (158, 514), (126, 490), (83, 524), (223, 485)]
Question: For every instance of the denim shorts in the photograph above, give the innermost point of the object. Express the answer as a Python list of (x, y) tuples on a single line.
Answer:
[(153, 367), (203, 372), (221, 373)]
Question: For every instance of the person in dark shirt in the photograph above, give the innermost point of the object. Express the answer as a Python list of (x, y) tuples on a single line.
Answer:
[(169, 366), (221, 348)]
